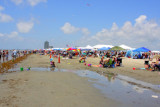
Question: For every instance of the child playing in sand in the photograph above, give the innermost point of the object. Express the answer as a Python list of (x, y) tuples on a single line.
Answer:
[(52, 63), (82, 59)]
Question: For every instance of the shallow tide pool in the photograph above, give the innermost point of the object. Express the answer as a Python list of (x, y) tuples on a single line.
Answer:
[(130, 92)]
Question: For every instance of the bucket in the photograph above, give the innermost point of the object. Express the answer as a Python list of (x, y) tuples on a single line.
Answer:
[(29, 68), (21, 68)]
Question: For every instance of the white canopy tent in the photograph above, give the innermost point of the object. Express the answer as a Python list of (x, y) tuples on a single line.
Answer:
[(101, 46), (87, 47), (126, 47)]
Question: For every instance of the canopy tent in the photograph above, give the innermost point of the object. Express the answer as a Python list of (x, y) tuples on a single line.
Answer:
[(101, 46), (104, 49), (138, 52), (142, 49), (116, 48), (126, 47), (87, 48), (56, 49)]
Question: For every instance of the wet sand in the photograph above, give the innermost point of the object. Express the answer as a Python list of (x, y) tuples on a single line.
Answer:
[(126, 68), (49, 89)]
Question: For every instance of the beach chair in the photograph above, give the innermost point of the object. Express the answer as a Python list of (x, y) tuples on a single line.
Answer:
[(108, 64), (119, 60)]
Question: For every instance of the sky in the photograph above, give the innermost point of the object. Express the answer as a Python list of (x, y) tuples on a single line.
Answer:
[(27, 24)]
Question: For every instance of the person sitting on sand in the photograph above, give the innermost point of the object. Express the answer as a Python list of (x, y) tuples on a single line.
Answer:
[(105, 63), (114, 61), (82, 59), (118, 62), (154, 65), (70, 56), (101, 61)]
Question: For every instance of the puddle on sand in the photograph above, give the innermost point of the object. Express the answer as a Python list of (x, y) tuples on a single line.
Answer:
[(128, 91)]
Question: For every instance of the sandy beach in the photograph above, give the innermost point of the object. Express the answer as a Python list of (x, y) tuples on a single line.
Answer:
[(126, 68), (49, 89), (63, 89)]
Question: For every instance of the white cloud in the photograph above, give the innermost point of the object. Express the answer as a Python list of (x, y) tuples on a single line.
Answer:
[(1, 8), (5, 18), (17, 2), (114, 27), (1, 35), (69, 29), (85, 31), (13, 34), (25, 27), (35, 2), (141, 19), (142, 33)]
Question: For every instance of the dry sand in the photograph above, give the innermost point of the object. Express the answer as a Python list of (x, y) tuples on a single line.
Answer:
[(49, 89)]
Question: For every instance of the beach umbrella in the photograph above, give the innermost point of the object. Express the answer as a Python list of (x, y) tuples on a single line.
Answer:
[(69, 49), (116, 48)]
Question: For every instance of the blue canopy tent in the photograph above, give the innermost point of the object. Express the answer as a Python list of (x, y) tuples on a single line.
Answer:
[(104, 49), (56, 49), (142, 49), (138, 52)]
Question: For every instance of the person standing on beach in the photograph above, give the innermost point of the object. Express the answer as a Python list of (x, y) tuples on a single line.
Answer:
[(3, 55), (7, 55), (14, 54), (0, 55)]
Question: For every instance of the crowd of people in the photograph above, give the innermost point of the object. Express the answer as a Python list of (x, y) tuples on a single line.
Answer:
[(108, 58), (154, 66), (6, 55)]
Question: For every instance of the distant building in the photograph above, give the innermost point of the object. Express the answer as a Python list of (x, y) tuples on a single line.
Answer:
[(50, 46), (46, 45)]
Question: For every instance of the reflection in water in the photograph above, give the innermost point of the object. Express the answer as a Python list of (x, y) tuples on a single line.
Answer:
[(139, 90), (52, 69)]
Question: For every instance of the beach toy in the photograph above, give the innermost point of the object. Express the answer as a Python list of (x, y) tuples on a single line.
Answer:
[(28, 68), (85, 64), (143, 68), (89, 65), (21, 68), (134, 68), (100, 66)]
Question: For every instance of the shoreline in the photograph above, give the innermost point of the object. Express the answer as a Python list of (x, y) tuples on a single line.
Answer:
[(126, 69), (58, 89)]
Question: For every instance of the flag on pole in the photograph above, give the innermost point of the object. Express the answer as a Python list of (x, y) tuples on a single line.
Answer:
[(67, 45)]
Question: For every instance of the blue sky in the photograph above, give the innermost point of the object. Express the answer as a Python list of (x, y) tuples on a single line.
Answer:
[(26, 24)]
